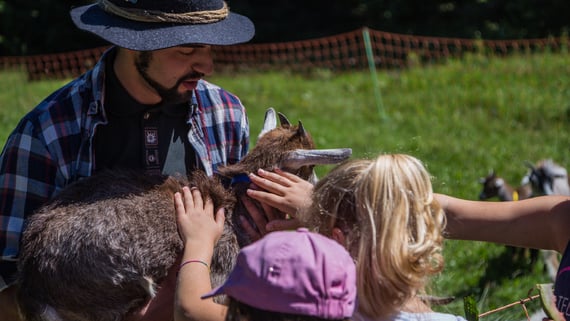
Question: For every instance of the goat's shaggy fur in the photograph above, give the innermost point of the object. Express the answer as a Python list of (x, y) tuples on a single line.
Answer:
[(99, 249), (102, 246)]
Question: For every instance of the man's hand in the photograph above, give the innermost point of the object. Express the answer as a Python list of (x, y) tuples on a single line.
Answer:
[(8, 306), (161, 306)]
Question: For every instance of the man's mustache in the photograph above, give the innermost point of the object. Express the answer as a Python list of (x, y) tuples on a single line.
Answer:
[(192, 75)]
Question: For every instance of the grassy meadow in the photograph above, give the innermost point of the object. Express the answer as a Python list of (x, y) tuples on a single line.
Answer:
[(462, 118)]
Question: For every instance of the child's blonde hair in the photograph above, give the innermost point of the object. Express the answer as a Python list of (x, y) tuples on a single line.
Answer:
[(392, 226)]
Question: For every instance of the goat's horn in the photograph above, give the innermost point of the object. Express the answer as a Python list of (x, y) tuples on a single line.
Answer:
[(270, 121), (301, 130), (529, 165), (304, 157), (283, 120)]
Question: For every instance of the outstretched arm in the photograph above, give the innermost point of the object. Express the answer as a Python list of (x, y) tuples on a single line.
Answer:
[(540, 222), (199, 230)]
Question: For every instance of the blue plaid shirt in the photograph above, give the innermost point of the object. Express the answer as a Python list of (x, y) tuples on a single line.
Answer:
[(52, 146)]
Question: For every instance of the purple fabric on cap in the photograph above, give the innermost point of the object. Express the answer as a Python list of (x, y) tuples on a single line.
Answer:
[(295, 272)]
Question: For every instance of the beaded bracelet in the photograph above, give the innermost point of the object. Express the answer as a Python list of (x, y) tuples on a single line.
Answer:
[(194, 261)]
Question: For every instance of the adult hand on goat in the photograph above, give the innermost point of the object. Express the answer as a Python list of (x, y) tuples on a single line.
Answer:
[(8, 306), (195, 218), (257, 227), (281, 190)]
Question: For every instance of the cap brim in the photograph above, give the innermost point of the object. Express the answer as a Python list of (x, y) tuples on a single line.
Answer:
[(215, 292), (136, 35)]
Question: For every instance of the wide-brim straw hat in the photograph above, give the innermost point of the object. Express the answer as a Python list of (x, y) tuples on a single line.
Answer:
[(151, 25)]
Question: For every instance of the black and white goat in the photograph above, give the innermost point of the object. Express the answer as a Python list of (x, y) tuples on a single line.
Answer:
[(547, 178)]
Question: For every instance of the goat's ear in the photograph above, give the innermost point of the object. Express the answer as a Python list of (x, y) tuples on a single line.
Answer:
[(270, 121), (284, 121), (529, 165)]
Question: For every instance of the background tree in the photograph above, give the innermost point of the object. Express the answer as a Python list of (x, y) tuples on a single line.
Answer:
[(41, 26), (44, 26)]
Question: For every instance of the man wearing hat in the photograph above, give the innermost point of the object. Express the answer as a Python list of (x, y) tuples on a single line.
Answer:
[(143, 106)]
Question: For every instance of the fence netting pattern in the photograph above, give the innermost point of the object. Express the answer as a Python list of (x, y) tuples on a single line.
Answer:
[(341, 52)]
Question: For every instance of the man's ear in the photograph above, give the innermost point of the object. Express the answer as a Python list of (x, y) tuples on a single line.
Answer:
[(338, 236)]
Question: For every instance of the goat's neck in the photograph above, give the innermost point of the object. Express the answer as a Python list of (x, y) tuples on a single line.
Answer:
[(506, 193)]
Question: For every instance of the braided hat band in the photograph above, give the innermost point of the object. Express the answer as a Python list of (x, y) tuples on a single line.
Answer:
[(144, 15)]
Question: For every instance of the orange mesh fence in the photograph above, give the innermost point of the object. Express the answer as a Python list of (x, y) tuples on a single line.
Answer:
[(339, 52), (342, 51), (60, 65)]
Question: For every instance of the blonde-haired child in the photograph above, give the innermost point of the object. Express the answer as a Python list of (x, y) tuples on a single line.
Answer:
[(383, 211)]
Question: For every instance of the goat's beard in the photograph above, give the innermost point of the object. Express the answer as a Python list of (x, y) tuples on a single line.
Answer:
[(168, 95)]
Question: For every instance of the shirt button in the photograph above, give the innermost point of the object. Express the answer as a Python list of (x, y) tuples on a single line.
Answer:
[(146, 115)]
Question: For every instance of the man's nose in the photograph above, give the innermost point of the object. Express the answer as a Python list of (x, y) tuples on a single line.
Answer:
[(203, 62)]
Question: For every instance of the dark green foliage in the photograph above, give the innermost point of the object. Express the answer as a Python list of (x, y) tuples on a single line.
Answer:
[(44, 26), (490, 19), (41, 26)]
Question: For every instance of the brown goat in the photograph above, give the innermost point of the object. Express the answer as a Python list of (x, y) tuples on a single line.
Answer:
[(100, 248), (495, 186)]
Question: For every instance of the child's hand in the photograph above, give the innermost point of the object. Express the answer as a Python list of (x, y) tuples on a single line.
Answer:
[(281, 190), (195, 218), (200, 230)]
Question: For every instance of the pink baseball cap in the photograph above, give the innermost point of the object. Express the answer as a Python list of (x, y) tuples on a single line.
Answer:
[(294, 272)]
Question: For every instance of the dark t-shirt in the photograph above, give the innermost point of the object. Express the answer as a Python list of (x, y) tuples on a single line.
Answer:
[(150, 138), (562, 284)]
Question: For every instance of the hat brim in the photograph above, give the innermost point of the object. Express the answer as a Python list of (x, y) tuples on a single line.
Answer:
[(142, 36)]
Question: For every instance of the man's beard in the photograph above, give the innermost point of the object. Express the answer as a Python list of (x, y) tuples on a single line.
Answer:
[(168, 95)]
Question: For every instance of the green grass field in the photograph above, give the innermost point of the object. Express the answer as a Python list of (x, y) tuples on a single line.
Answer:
[(463, 119)]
